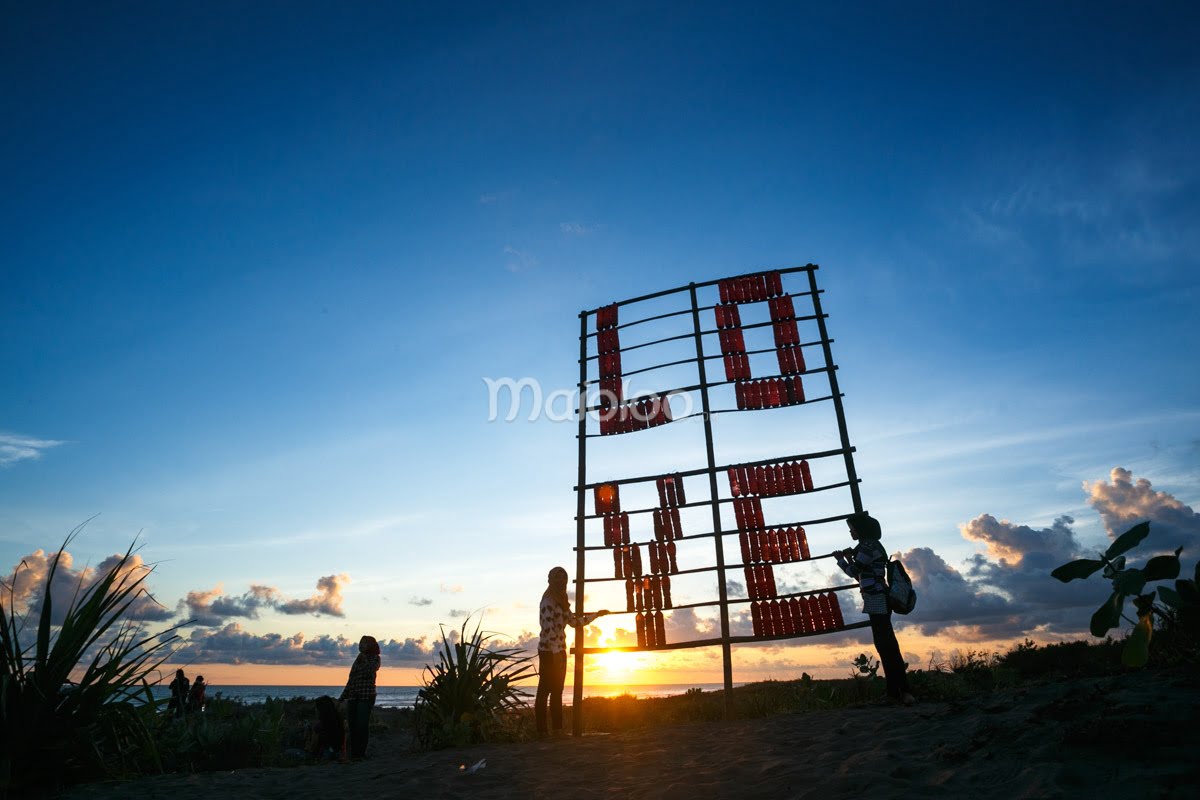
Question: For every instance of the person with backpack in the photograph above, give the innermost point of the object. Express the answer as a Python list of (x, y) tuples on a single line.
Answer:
[(867, 562)]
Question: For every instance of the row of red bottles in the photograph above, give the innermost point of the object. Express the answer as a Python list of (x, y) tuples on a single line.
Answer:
[(606, 317), (777, 545), (649, 412), (608, 341), (796, 615), (662, 557), (616, 529), (751, 288), (610, 364), (667, 525), (648, 593), (732, 341), (627, 561), (786, 332), (791, 360), (748, 513), (670, 491), (770, 480), (769, 393), (737, 366), (760, 581), (612, 393), (608, 498), (782, 307), (727, 316), (651, 629)]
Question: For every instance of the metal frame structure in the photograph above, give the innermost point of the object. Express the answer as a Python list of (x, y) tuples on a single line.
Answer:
[(589, 354)]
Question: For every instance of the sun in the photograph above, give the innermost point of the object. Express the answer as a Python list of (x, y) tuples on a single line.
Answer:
[(614, 667)]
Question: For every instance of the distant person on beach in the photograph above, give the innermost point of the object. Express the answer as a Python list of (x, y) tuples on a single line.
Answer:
[(195, 702), (328, 738), (179, 694), (359, 694), (555, 613), (867, 562)]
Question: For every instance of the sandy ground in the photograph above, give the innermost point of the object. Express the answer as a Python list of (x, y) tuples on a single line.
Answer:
[(1131, 736)]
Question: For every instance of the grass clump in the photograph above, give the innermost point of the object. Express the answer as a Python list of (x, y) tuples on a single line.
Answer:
[(75, 697)]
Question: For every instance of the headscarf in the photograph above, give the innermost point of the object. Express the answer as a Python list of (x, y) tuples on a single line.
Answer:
[(558, 595), (368, 646), (866, 526)]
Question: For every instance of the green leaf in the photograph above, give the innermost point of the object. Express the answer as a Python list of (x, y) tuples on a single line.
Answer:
[(1108, 616), (1170, 596), (1187, 592), (1082, 568), (1128, 540), (1137, 646), (1161, 568), (1131, 581)]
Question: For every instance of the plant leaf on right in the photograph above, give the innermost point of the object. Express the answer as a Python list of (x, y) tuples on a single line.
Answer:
[(1178, 608)]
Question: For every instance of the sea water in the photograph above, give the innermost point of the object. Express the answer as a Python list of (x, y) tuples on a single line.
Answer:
[(406, 696)]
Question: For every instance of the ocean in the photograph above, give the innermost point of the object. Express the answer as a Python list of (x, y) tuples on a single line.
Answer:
[(406, 696)]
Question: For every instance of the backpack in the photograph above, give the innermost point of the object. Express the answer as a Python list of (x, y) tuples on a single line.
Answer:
[(901, 596)]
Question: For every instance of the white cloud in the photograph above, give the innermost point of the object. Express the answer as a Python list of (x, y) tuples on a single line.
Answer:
[(1124, 502), (15, 447), (518, 260), (576, 228)]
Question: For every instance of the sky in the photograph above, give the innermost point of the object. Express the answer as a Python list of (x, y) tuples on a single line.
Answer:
[(261, 260)]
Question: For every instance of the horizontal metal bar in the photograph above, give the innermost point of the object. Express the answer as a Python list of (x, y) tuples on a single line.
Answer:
[(670, 314), (720, 500), (707, 333), (665, 292), (713, 642), (704, 470)]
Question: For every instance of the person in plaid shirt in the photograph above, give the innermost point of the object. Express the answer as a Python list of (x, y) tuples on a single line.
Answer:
[(555, 614), (867, 563), (359, 694)]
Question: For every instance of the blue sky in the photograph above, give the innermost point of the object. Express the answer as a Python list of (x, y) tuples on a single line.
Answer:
[(259, 259)]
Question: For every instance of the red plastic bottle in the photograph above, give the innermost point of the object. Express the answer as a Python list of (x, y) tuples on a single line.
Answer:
[(755, 548), (770, 580), (680, 494), (758, 513), (739, 514), (618, 563), (666, 590), (629, 604), (775, 282), (656, 588), (789, 624), (676, 524), (798, 619), (768, 619), (653, 548), (799, 387), (806, 475), (624, 527), (756, 618), (777, 628), (735, 488), (739, 390), (744, 541), (656, 515), (641, 629), (838, 621), (671, 556), (804, 551), (751, 582), (660, 629)]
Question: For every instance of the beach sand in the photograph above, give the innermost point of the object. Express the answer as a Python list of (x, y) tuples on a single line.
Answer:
[(1129, 735)]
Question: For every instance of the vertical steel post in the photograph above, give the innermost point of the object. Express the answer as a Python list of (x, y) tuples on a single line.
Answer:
[(580, 510), (726, 653), (851, 473)]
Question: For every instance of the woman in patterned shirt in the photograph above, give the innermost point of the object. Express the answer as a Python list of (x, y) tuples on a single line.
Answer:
[(360, 694), (555, 614), (867, 563)]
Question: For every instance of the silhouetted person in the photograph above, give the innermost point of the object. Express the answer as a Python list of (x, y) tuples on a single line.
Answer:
[(179, 694), (555, 614), (867, 563), (328, 740), (359, 694), (195, 701)]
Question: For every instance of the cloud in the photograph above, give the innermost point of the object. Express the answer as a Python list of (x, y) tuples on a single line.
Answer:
[(1124, 502), (455, 588), (15, 447), (576, 228), (1009, 542), (518, 260), (491, 198), (234, 645), (212, 609), (27, 583), (327, 600), (419, 601)]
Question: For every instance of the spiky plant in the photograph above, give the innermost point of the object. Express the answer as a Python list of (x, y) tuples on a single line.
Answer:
[(469, 689), (76, 698)]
